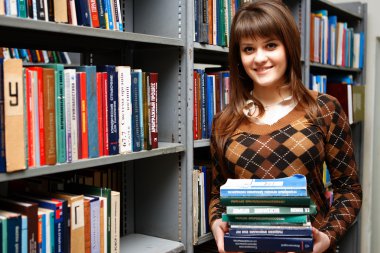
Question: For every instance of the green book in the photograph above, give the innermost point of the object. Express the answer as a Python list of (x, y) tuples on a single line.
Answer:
[(265, 201), (293, 219), (4, 234), (269, 210)]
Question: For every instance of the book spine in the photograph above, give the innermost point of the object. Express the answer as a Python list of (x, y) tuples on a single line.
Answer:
[(263, 192), (295, 219), (99, 90), (60, 114), (14, 116), (135, 113), (92, 112), (113, 127), (24, 234), (2, 126), (290, 231), (100, 7), (83, 116), (105, 114), (49, 116), (145, 83), (95, 226), (94, 13), (68, 80), (269, 210), (40, 112), (259, 244), (153, 85), (275, 201)]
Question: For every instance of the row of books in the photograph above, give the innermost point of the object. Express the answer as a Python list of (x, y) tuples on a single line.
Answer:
[(267, 214), (351, 96), (62, 114), (211, 89), (333, 42), (213, 20), (201, 199), (79, 219), (35, 55), (104, 14)]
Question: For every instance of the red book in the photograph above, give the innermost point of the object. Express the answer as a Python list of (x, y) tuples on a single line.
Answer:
[(339, 91), (83, 114), (30, 122), (105, 114), (94, 13), (195, 106), (153, 82), (99, 87), (40, 114)]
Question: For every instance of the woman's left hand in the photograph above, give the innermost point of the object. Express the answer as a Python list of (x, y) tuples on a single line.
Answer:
[(321, 241)]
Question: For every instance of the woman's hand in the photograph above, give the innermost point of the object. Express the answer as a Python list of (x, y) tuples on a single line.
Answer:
[(321, 241), (219, 228)]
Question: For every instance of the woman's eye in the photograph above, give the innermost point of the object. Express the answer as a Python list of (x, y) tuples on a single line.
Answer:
[(248, 49), (271, 45)]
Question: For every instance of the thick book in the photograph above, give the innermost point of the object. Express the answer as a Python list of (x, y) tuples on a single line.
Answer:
[(258, 230), (270, 210), (288, 186), (29, 209), (261, 201), (15, 152), (260, 244), (115, 222), (136, 128), (294, 219), (153, 112)]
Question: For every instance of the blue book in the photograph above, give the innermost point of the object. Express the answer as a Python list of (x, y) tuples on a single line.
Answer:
[(141, 104), (288, 186), (136, 127), (13, 231), (2, 127), (210, 82), (260, 244), (331, 57), (113, 108), (92, 110), (24, 234), (361, 50), (49, 229), (258, 230), (41, 232), (4, 235), (83, 12), (1, 236)]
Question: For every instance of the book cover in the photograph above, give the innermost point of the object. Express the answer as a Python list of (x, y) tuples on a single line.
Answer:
[(273, 201), (138, 78), (87, 225), (136, 128), (49, 235), (288, 186), (83, 108), (4, 234), (145, 111), (24, 234), (2, 126), (260, 244), (99, 94), (15, 152), (41, 235), (94, 223)]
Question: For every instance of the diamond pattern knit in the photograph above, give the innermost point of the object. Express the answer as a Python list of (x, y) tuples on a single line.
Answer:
[(297, 144)]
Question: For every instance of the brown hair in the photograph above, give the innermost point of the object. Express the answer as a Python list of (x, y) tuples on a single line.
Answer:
[(260, 19)]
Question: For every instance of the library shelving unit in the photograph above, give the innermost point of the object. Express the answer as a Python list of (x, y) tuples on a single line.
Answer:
[(154, 217), (354, 13)]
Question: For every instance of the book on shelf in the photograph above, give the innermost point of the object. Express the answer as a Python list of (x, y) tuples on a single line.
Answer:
[(12, 222), (14, 113), (115, 222), (260, 244), (24, 234), (2, 123), (288, 186), (41, 235), (49, 237)]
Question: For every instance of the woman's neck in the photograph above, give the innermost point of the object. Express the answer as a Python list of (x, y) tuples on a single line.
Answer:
[(269, 96)]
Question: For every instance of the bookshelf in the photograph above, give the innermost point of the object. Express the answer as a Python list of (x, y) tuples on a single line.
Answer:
[(355, 14), (154, 217)]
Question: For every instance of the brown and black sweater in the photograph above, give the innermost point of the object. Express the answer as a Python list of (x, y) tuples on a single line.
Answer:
[(297, 145)]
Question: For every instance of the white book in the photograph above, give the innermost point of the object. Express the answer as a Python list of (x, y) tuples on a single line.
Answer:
[(73, 12), (115, 222), (349, 104), (69, 78), (36, 128), (339, 44), (125, 109), (95, 223), (49, 228), (356, 51)]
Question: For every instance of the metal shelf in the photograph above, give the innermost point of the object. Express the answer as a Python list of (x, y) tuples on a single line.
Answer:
[(163, 149), (148, 244)]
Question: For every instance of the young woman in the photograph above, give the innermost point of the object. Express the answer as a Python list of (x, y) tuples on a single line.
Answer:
[(274, 127)]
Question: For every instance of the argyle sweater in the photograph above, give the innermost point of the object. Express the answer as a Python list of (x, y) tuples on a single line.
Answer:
[(297, 145)]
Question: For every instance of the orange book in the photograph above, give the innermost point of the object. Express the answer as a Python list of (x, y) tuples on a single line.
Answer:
[(83, 112), (49, 115), (87, 225), (94, 13)]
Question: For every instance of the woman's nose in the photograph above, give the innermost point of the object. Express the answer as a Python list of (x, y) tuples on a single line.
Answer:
[(260, 56)]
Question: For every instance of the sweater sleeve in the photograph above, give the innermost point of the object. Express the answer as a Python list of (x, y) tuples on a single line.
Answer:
[(340, 160)]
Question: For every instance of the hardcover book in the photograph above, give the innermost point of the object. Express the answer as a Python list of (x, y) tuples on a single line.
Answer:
[(269, 210), (289, 186), (293, 219), (272, 201), (282, 230)]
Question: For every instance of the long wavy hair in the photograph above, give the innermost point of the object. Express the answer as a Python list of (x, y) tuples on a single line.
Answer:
[(260, 19)]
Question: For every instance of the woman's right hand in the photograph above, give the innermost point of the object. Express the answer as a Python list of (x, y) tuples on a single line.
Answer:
[(219, 228)]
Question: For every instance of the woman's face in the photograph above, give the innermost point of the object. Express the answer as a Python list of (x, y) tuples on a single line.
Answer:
[(264, 60)]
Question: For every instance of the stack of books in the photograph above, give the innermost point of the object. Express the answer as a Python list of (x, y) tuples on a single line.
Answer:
[(267, 214)]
